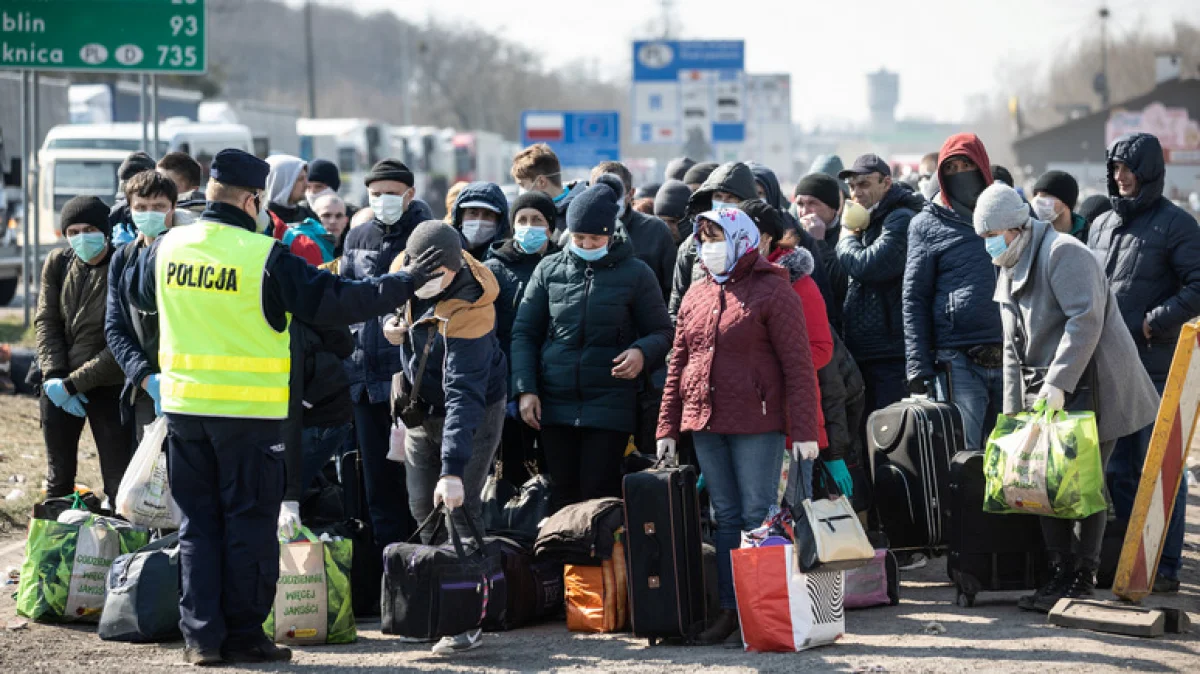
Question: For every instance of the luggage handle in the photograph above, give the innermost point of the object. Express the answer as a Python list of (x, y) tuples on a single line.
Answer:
[(440, 515)]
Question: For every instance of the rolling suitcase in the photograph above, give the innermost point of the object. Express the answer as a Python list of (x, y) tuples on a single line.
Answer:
[(988, 552), (912, 442), (666, 560)]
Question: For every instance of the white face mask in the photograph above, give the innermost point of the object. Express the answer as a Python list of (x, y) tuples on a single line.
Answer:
[(720, 205), (478, 232), (1043, 207), (715, 256), (432, 288), (388, 207), (263, 219)]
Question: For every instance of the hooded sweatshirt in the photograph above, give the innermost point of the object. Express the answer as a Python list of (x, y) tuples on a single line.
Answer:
[(486, 193), (961, 144), (948, 276), (293, 224), (1150, 251)]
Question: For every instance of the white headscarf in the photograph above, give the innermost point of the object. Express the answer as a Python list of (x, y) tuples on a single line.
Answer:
[(284, 170), (741, 236)]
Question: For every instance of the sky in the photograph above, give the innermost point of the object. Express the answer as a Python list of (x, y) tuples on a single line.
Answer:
[(944, 50)]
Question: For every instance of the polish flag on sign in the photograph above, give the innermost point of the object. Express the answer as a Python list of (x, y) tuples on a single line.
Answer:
[(542, 127)]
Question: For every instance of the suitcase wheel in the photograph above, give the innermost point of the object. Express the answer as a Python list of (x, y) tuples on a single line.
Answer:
[(653, 641), (965, 600)]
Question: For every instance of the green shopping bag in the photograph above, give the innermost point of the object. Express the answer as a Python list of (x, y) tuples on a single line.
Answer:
[(312, 597), (66, 565), (1044, 465)]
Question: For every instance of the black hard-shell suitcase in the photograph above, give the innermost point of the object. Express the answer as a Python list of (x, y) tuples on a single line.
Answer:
[(665, 557), (989, 552), (911, 443)]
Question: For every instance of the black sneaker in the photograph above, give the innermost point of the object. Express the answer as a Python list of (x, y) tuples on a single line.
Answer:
[(1060, 575), (1081, 584), (203, 657), (261, 651), (1165, 585)]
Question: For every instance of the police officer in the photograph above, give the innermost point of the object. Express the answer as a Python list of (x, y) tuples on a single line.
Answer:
[(224, 294)]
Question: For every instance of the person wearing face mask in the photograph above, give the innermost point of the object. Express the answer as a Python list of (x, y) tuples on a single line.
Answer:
[(591, 319), (1054, 197), (1065, 348), (448, 328), (950, 320), (873, 259), (537, 169), (369, 250), (512, 262), (324, 179), (651, 238), (225, 295), (726, 186), (133, 335), (81, 379), (292, 221), (741, 379), (480, 215), (1150, 251), (123, 229)]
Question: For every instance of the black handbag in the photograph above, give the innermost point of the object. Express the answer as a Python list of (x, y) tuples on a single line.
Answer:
[(409, 408), (1082, 399), (433, 591), (513, 512)]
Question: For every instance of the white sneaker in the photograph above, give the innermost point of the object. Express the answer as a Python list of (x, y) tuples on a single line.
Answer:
[(459, 643), (915, 561)]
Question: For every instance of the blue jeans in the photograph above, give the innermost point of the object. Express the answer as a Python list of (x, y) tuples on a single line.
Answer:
[(1124, 474), (978, 392), (742, 474), (320, 445)]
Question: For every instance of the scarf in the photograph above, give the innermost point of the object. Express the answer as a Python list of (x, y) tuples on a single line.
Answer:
[(1009, 258)]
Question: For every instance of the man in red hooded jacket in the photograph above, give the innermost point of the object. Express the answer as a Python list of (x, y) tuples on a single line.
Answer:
[(950, 319)]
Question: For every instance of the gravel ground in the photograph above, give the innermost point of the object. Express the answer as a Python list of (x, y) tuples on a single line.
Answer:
[(994, 636)]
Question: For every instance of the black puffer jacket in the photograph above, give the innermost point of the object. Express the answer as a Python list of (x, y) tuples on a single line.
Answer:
[(653, 244), (1150, 251), (874, 262), (512, 268), (574, 318)]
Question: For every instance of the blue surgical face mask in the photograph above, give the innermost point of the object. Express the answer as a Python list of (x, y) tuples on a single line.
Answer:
[(996, 245), (588, 254), (529, 238), (718, 205), (150, 223), (88, 245)]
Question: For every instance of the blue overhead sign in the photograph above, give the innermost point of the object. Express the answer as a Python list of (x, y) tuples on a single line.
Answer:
[(689, 92), (580, 138)]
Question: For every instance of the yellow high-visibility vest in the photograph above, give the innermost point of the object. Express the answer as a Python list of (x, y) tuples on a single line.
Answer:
[(219, 355)]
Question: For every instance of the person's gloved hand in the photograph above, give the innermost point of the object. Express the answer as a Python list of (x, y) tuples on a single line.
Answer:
[(1054, 398), (841, 476), (289, 519), (425, 268), (122, 234), (153, 389), (449, 491), (74, 405), (394, 330), (56, 391), (805, 450), (666, 450)]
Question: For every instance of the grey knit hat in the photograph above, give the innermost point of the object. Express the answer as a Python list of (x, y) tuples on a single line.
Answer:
[(436, 234), (999, 208)]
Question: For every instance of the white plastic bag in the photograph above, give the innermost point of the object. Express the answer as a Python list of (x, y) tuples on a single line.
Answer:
[(396, 443), (144, 496)]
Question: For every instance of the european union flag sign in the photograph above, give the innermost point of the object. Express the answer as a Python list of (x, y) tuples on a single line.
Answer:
[(580, 138)]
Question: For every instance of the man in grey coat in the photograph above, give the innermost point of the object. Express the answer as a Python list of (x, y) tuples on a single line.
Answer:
[(1150, 251), (1064, 343)]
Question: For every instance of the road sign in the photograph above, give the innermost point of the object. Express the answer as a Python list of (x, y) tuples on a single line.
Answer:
[(140, 36), (580, 138), (1163, 470), (689, 92), (769, 122)]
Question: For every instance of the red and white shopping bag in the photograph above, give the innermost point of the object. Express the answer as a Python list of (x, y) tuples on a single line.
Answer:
[(782, 609)]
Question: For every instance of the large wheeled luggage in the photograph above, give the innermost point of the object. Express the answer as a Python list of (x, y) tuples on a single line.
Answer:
[(988, 552), (912, 443), (666, 560)]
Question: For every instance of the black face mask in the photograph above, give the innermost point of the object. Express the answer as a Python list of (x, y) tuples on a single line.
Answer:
[(963, 190)]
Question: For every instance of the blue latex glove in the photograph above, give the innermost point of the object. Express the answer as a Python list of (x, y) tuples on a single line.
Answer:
[(122, 234), (513, 410), (841, 476), (75, 405), (56, 391), (152, 388)]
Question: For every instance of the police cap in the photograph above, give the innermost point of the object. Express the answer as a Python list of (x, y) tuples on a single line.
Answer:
[(239, 169)]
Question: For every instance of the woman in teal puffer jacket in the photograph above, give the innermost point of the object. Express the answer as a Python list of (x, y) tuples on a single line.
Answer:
[(592, 319)]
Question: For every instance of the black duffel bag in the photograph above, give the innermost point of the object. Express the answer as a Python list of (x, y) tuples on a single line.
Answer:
[(534, 587), (515, 513), (432, 591), (142, 601), (581, 533)]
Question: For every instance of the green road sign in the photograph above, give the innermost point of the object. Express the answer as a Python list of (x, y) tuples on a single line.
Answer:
[(141, 36)]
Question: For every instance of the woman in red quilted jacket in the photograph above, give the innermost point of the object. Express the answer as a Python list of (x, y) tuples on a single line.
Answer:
[(741, 378)]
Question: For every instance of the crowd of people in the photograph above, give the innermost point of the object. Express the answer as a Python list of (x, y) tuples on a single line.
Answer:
[(709, 319)]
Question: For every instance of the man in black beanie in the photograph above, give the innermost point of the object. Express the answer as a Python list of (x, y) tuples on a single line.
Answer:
[(678, 167), (670, 206), (1054, 198), (698, 174)]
